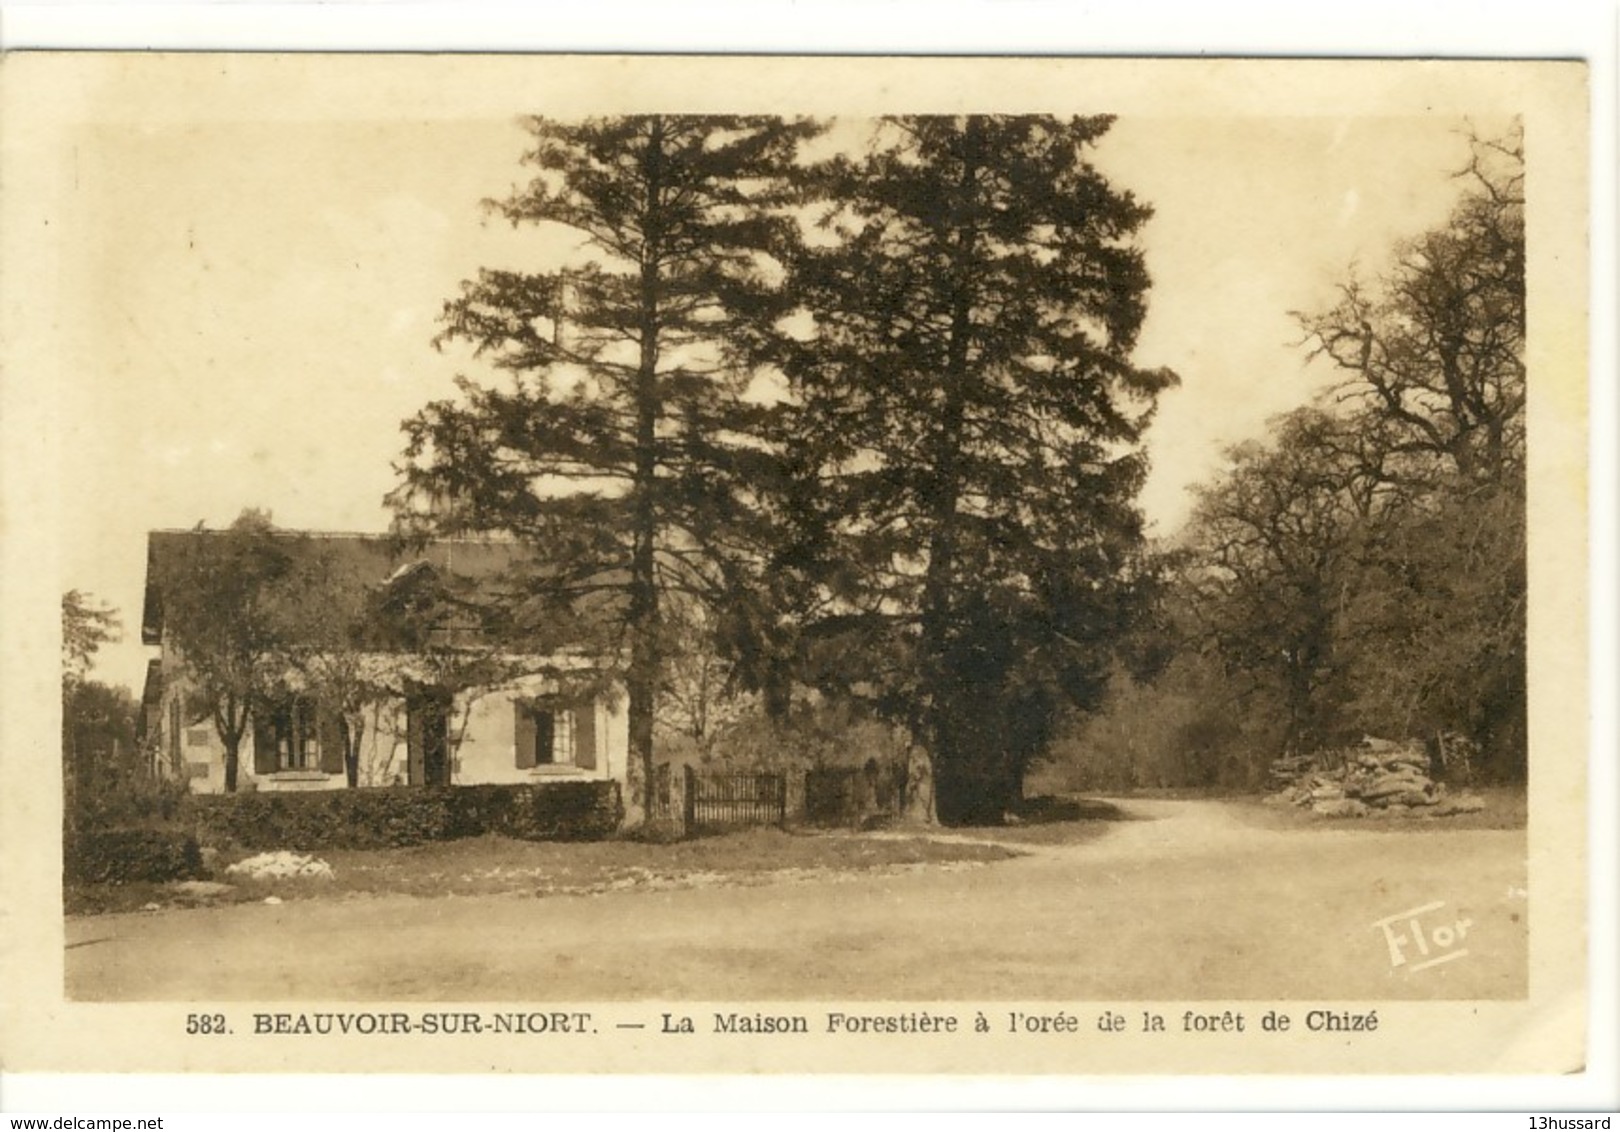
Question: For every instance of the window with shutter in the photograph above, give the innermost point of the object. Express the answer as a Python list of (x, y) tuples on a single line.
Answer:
[(414, 734), (331, 743), (293, 735), (542, 737), (545, 737), (585, 735), (523, 729), (427, 714), (264, 745)]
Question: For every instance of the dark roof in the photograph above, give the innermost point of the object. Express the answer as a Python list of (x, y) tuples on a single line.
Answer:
[(151, 697), (372, 559), (152, 689)]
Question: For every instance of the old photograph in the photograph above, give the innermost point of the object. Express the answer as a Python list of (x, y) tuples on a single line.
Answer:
[(802, 563)]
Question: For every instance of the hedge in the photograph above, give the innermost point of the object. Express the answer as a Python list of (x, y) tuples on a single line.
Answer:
[(390, 816), (123, 856)]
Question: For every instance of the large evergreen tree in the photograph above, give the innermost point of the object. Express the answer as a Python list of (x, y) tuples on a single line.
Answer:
[(626, 443), (962, 378)]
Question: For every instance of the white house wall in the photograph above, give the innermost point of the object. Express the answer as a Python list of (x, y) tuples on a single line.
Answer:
[(487, 752), (488, 749)]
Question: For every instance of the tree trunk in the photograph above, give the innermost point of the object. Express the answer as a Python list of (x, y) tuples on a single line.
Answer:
[(643, 612), (70, 766), (353, 733), (937, 686), (778, 691), (232, 747), (230, 721)]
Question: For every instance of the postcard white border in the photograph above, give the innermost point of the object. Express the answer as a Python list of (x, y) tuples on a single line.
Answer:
[(1585, 31)]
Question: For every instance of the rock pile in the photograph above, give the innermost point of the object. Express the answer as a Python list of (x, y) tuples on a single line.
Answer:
[(1288, 770), (280, 865), (1377, 777)]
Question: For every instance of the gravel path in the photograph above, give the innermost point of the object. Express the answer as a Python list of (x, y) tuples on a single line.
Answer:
[(1181, 901)]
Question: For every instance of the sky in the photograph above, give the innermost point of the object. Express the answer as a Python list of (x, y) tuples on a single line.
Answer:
[(251, 263)]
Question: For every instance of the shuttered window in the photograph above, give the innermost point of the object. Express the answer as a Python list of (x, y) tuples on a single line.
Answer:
[(533, 734), (330, 730), (292, 735), (264, 744), (562, 737), (543, 736), (585, 735), (523, 730)]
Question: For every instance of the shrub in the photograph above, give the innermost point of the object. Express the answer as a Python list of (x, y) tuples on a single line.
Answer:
[(561, 811), (856, 796), (123, 856), (391, 816), (118, 796)]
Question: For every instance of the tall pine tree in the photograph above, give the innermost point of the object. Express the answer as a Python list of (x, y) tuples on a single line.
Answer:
[(625, 445), (963, 378)]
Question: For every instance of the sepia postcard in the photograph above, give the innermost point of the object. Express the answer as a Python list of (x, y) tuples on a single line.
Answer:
[(794, 565)]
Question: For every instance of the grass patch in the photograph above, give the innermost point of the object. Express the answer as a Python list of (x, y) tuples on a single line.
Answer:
[(493, 865), (1180, 793), (1506, 807), (95, 899)]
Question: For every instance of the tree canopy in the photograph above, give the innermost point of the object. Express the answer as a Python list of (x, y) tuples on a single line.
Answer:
[(1364, 566), (871, 424), (86, 626), (625, 447), (875, 411), (964, 390), (219, 614), (1434, 351)]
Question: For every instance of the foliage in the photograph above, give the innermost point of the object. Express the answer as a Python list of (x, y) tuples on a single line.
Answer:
[(623, 448), (125, 856), (113, 809), (855, 796), (127, 796), (1363, 569), (106, 773), (98, 721), (86, 626), (1434, 629), (1435, 350), (965, 401), (700, 701), (394, 816), (322, 619), (1274, 550), (219, 608), (1190, 725)]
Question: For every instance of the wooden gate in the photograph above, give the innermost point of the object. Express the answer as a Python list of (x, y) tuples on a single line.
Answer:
[(665, 805), (734, 799)]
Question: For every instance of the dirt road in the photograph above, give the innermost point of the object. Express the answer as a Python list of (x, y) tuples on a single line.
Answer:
[(1186, 901)]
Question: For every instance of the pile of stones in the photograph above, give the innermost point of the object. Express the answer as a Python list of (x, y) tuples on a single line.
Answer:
[(1377, 777), (281, 865)]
